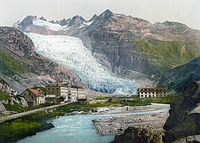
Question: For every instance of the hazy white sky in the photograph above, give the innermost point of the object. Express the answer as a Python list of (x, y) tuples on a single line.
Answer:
[(184, 11)]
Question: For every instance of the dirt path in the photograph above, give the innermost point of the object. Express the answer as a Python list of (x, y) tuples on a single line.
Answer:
[(15, 116)]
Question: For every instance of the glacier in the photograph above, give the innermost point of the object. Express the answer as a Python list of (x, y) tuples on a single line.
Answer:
[(71, 53)]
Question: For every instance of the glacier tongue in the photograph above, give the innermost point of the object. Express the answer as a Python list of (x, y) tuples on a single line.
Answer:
[(71, 53)]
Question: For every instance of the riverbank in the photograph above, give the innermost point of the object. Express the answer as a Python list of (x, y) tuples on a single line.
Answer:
[(129, 109), (30, 125), (117, 124)]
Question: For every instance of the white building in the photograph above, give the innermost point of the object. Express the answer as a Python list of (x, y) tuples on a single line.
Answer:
[(151, 92), (66, 90)]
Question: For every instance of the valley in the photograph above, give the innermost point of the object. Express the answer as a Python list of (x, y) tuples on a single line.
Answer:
[(113, 70)]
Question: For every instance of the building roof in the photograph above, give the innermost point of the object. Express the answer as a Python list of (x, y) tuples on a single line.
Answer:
[(36, 92), (152, 89)]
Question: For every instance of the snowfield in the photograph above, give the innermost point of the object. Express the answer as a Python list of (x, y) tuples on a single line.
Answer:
[(71, 53), (51, 26)]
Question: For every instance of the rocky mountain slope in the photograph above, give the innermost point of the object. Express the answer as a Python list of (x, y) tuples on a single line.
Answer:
[(181, 77), (183, 123), (128, 47), (22, 67), (8, 98)]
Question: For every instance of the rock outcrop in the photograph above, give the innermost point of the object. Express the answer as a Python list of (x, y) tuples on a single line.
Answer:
[(140, 135), (183, 123), (2, 108), (22, 67)]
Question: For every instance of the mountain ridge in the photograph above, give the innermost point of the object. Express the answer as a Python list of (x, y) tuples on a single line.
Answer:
[(130, 47)]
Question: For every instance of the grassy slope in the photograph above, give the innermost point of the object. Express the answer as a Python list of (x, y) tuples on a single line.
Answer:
[(9, 66), (168, 54)]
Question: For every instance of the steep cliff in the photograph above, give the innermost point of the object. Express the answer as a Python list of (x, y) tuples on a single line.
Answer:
[(22, 67), (140, 135), (180, 77), (183, 123)]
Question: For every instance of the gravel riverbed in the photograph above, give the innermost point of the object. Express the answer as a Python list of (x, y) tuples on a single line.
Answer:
[(117, 124)]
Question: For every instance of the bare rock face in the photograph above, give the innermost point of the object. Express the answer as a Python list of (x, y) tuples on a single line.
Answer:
[(27, 68), (183, 123), (4, 87), (2, 108), (140, 135)]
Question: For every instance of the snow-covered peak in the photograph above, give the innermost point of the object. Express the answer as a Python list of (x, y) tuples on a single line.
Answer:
[(24, 21), (35, 22), (48, 25), (86, 24)]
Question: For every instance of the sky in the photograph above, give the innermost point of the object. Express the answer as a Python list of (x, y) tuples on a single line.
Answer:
[(184, 11)]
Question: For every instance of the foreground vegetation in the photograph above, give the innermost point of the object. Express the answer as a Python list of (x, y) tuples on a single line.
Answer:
[(14, 130)]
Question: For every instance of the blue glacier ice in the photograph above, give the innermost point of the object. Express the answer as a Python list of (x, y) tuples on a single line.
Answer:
[(71, 53)]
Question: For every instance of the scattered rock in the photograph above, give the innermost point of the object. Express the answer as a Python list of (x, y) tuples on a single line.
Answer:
[(140, 135)]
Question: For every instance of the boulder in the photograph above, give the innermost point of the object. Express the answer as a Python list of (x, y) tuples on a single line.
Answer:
[(140, 135), (2, 108)]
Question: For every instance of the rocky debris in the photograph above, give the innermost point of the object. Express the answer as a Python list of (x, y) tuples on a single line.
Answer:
[(23, 102), (2, 108), (13, 99), (183, 123), (4, 87), (129, 109), (140, 135), (117, 125)]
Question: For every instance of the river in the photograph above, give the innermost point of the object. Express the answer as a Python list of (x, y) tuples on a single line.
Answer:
[(76, 129)]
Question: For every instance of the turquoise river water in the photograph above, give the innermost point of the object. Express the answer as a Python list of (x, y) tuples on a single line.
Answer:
[(76, 129)]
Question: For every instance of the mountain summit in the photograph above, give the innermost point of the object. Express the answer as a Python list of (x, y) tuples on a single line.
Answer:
[(128, 47)]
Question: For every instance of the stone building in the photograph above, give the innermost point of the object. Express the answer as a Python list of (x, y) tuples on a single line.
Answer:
[(56, 90), (33, 97), (69, 92), (52, 99), (151, 92)]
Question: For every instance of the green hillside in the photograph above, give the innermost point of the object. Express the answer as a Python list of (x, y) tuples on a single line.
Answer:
[(9, 66), (167, 54)]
